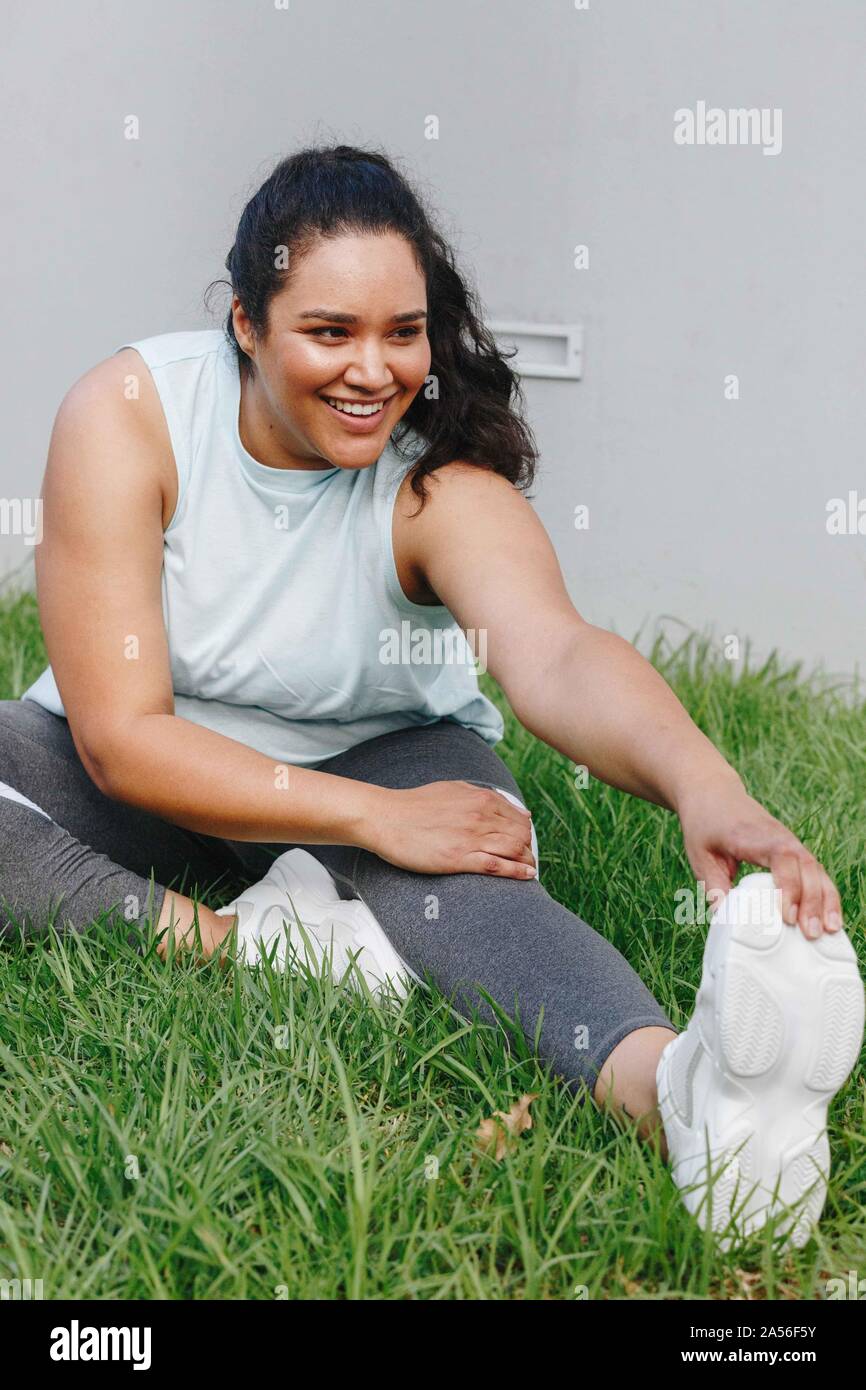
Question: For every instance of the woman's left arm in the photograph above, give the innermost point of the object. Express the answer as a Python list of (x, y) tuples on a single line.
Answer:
[(590, 694)]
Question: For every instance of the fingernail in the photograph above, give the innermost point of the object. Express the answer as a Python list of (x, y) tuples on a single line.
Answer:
[(813, 926), (791, 915), (834, 922)]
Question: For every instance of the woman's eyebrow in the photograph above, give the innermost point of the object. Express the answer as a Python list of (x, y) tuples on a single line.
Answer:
[(336, 317)]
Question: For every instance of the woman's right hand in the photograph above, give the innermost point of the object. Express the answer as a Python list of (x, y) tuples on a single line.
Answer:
[(451, 828)]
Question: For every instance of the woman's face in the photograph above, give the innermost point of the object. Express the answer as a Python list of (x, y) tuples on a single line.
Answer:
[(350, 326)]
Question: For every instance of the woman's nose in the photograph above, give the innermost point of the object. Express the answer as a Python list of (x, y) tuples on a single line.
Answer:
[(369, 368)]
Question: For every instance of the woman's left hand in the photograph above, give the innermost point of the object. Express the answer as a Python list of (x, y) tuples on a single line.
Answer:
[(723, 826)]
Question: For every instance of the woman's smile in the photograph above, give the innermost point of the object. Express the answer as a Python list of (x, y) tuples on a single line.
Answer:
[(361, 417)]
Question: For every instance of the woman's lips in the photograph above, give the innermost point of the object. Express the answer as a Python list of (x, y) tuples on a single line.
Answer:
[(359, 424)]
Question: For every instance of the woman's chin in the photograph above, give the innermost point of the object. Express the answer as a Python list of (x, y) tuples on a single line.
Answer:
[(362, 451), (352, 465)]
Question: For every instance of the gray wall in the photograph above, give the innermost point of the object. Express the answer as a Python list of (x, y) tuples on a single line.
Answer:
[(556, 128)]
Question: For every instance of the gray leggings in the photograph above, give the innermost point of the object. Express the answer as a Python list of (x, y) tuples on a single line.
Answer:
[(508, 936)]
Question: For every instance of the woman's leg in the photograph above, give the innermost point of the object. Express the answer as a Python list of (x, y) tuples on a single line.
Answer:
[(601, 1024), (78, 851)]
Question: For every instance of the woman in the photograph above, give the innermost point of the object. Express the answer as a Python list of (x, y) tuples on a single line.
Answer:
[(238, 535)]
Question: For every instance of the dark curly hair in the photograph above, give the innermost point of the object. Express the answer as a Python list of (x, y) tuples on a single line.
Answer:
[(339, 189)]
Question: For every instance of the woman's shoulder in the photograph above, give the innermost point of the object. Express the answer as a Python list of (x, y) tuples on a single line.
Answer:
[(122, 364), (462, 500), (456, 484), (117, 400), (162, 349)]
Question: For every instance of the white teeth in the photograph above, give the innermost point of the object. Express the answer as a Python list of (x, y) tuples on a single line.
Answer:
[(351, 409)]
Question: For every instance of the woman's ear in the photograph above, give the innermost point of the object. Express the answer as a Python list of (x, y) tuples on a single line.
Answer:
[(242, 327)]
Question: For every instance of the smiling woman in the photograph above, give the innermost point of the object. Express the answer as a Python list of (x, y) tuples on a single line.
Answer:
[(353, 299), (308, 392), (230, 526)]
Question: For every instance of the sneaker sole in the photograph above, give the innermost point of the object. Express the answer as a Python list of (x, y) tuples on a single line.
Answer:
[(782, 1019)]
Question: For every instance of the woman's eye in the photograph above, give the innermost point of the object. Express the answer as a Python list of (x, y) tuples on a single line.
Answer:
[(411, 331)]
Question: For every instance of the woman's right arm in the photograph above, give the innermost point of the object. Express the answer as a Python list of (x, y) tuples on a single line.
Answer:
[(98, 570)]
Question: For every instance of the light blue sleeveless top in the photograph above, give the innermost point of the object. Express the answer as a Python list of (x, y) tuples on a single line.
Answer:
[(287, 626)]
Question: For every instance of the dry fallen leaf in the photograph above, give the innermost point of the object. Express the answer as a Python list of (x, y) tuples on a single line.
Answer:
[(504, 1131), (750, 1281), (631, 1286)]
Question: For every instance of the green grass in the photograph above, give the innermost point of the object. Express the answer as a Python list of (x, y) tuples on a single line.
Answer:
[(191, 1132)]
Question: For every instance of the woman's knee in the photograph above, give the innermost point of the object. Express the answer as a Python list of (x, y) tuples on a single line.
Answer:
[(36, 748), (10, 794)]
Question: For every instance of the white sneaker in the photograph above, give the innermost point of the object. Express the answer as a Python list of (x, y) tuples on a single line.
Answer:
[(296, 886), (777, 1027)]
